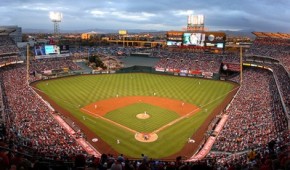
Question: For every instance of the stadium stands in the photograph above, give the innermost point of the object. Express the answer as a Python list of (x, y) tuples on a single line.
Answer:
[(8, 51), (42, 65), (258, 112), (256, 115), (272, 47), (29, 121), (193, 61), (7, 46), (279, 49)]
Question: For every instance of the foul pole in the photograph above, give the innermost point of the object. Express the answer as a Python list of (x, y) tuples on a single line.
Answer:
[(241, 65), (27, 63)]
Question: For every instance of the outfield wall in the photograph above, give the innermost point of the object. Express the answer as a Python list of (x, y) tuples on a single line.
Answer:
[(134, 69), (145, 69)]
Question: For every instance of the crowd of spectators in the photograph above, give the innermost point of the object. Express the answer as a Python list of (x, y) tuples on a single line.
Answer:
[(83, 52), (8, 50), (7, 46), (183, 60), (283, 83), (9, 59), (256, 117), (5, 40), (29, 120), (257, 111), (41, 65), (279, 49), (276, 48), (272, 156)]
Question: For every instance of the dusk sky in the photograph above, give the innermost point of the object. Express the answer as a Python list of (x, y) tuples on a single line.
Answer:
[(263, 15)]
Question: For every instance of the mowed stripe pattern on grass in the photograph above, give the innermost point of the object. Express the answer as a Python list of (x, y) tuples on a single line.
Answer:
[(127, 116), (83, 90), (104, 106), (72, 93)]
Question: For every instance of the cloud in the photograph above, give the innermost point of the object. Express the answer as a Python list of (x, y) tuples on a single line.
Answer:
[(114, 14), (182, 12), (36, 8), (266, 15)]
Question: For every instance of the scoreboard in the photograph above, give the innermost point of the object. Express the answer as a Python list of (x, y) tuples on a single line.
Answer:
[(208, 40), (174, 38)]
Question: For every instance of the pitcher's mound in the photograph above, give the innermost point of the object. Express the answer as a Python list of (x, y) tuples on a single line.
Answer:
[(144, 137), (142, 116)]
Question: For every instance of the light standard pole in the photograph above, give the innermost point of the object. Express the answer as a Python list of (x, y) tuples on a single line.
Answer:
[(123, 41), (241, 65), (27, 63), (88, 53)]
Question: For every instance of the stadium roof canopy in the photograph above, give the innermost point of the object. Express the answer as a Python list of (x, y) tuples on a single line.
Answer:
[(272, 35), (6, 31)]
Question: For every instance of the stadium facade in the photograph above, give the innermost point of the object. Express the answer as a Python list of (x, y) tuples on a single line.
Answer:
[(14, 32)]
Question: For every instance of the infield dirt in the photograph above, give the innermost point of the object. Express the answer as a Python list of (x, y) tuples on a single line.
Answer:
[(104, 106), (103, 147)]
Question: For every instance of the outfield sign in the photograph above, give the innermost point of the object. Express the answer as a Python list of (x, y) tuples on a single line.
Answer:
[(159, 69), (52, 56)]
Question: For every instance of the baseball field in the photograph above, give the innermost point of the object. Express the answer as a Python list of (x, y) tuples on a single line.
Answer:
[(134, 113)]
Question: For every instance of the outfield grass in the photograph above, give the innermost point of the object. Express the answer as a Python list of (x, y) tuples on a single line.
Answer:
[(71, 93)]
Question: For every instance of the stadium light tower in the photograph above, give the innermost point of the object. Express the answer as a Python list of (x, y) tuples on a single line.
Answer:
[(195, 22), (56, 18)]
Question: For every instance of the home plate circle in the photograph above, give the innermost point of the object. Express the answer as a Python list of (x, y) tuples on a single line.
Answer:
[(146, 137)]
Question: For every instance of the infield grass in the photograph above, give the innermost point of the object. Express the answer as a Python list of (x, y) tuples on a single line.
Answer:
[(72, 93), (127, 116)]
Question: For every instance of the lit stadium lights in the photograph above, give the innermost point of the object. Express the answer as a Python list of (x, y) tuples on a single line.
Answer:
[(195, 20), (55, 16)]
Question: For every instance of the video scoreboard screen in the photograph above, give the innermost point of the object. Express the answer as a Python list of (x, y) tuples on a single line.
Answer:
[(196, 39), (39, 50), (174, 43), (211, 40), (46, 49), (51, 49), (64, 49)]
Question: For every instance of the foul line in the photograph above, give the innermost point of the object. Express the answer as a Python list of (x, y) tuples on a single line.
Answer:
[(55, 97), (176, 120), (164, 126), (108, 120), (134, 131)]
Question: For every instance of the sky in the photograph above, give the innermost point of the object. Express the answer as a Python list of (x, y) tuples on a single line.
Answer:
[(162, 15)]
